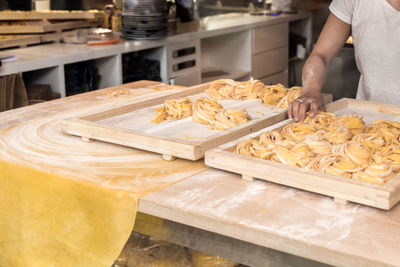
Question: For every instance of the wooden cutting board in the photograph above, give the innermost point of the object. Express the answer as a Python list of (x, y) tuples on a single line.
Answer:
[(130, 125), (340, 188)]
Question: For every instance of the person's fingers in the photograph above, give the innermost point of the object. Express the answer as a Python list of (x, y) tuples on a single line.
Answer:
[(313, 109), (295, 110), (289, 111), (322, 108), (303, 108)]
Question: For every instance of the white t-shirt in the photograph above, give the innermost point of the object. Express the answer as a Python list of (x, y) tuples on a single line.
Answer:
[(376, 36)]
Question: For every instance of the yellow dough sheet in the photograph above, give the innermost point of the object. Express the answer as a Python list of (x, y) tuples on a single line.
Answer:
[(64, 202), (48, 220)]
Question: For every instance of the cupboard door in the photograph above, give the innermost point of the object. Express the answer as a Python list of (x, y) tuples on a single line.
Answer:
[(270, 37), (270, 62)]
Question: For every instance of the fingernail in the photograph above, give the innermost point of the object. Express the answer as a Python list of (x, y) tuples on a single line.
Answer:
[(295, 118)]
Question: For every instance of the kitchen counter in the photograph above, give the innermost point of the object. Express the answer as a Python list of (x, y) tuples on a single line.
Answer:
[(49, 55), (46, 62), (281, 220)]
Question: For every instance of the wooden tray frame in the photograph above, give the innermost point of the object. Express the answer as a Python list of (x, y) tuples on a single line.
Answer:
[(53, 15), (20, 41), (54, 27), (340, 188), (86, 127)]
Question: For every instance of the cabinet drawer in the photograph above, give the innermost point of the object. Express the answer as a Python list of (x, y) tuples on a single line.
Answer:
[(183, 57), (270, 62), (270, 37), (280, 77)]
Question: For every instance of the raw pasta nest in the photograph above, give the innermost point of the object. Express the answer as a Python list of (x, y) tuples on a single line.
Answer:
[(222, 89), (174, 109), (228, 118), (205, 109), (278, 95), (271, 95), (292, 94)]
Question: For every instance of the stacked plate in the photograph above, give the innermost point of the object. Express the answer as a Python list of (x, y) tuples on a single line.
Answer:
[(145, 19)]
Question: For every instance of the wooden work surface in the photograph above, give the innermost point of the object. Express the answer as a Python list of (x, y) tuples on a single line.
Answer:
[(262, 213)]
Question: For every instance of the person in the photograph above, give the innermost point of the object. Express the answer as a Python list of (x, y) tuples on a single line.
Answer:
[(375, 29)]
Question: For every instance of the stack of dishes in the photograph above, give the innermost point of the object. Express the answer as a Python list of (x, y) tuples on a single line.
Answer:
[(145, 19)]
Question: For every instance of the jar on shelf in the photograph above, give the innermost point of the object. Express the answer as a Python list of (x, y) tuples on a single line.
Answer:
[(116, 22)]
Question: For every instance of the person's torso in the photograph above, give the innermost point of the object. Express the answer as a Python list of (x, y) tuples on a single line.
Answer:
[(376, 37)]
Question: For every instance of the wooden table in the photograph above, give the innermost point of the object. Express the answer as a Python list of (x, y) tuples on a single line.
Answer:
[(258, 223)]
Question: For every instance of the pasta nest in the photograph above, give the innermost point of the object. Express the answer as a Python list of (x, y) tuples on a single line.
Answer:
[(318, 145), (353, 122), (204, 110), (246, 147), (297, 131), (336, 134), (254, 148), (376, 173), (248, 90), (389, 154), (174, 109), (335, 164), (389, 130), (228, 118), (321, 120), (298, 155), (222, 89), (354, 151), (271, 95), (370, 141), (271, 137), (292, 94)]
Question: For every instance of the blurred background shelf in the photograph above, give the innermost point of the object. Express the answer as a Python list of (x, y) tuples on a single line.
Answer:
[(52, 15)]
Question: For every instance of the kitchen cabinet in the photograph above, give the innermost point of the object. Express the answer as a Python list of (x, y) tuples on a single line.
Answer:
[(270, 53), (236, 46)]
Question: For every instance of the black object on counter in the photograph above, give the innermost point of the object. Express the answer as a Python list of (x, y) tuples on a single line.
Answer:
[(144, 19), (78, 4), (185, 10), (81, 77), (136, 67), (18, 5)]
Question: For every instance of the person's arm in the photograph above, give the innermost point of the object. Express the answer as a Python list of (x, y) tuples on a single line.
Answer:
[(332, 38)]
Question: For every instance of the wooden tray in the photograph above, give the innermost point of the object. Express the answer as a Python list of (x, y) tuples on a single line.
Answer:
[(48, 27), (130, 125), (19, 41), (8, 41), (340, 188), (54, 15)]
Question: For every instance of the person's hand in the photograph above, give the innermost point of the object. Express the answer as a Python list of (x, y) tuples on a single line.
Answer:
[(310, 101)]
